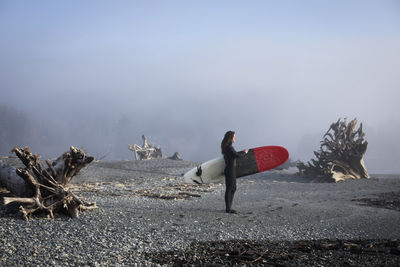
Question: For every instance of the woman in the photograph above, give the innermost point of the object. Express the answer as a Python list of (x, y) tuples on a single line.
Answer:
[(230, 156)]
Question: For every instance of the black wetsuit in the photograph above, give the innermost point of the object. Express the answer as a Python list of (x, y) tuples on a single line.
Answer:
[(230, 156)]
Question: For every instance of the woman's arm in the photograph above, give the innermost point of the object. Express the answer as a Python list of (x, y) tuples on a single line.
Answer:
[(236, 154)]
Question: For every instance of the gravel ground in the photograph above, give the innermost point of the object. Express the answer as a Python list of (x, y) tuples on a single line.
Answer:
[(147, 216)]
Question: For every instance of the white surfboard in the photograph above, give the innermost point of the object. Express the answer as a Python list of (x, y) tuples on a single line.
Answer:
[(257, 159), (211, 171)]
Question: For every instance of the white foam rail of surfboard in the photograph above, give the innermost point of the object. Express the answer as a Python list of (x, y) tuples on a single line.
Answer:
[(212, 172)]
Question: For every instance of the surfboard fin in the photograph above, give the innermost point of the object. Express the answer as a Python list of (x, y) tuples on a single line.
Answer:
[(199, 171)]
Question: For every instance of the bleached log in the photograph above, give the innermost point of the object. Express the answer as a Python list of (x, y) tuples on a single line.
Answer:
[(22, 200)]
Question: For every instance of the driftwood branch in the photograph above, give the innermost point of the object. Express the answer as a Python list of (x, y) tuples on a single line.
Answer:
[(38, 189), (341, 154)]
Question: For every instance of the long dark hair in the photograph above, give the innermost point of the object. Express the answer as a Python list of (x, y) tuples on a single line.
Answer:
[(227, 140)]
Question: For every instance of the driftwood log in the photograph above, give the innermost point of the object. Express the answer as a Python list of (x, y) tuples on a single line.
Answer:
[(45, 190), (341, 154), (175, 156), (146, 151)]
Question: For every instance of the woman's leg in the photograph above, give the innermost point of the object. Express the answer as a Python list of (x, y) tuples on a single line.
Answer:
[(228, 191), (233, 190), (230, 182), (228, 197)]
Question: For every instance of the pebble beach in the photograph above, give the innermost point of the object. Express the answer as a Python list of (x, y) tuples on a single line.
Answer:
[(147, 216)]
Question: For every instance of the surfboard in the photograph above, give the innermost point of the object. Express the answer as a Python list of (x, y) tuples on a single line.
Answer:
[(258, 159)]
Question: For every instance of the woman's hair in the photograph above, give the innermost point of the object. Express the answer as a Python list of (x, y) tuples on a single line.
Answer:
[(227, 140)]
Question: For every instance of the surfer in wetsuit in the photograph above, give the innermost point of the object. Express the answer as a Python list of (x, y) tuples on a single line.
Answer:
[(230, 156)]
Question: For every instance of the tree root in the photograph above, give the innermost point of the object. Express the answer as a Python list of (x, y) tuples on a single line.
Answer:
[(340, 156), (48, 188)]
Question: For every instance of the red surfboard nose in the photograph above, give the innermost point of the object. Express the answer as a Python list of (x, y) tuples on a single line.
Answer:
[(270, 157)]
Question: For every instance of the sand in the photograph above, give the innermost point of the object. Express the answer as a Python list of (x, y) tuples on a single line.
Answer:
[(145, 212)]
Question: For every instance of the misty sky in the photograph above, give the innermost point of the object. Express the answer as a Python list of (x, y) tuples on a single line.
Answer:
[(99, 74)]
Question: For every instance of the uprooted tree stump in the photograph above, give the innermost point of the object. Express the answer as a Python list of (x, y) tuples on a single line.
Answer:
[(340, 156), (41, 190), (146, 151)]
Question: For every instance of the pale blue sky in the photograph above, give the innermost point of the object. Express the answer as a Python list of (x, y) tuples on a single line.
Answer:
[(277, 72)]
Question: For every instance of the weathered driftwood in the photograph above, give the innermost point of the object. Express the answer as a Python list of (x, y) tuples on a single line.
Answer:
[(175, 156), (146, 151), (45, 190), (341, 154)]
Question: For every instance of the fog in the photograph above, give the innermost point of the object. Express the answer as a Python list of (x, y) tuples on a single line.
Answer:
[(99, 74)]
